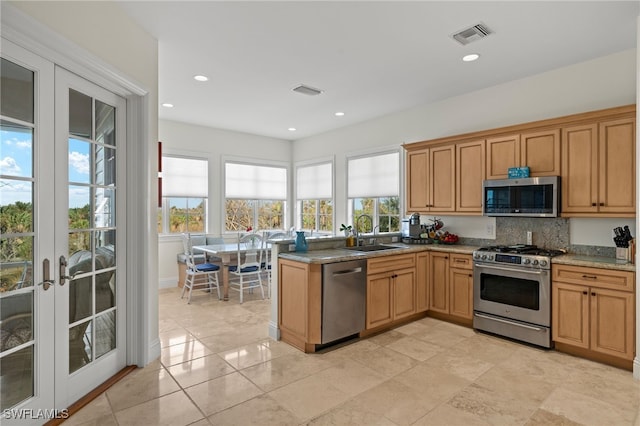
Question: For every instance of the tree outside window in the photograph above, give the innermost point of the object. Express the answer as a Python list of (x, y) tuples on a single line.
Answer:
[(257, 214), (317, 215)]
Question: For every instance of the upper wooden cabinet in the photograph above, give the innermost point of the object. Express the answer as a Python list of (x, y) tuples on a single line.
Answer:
[(598, 169), (540, 151), (431, 180), (593, 152)]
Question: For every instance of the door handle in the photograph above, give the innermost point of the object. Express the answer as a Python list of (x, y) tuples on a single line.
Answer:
[(46, 276), (63, 271)]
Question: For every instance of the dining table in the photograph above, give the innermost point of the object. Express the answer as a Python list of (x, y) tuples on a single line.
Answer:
[(226, 252)]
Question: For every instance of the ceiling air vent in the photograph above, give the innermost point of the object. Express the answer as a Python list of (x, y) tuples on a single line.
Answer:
[(474, 33), (307, 90)]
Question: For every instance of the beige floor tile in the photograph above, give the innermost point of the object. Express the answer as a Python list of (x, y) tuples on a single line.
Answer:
[(235, 338), (440, 336), (200, 370), (513, 384), (255, 353), (386, 338), (203, 422), (545, 418), (262, 410), (445, 414), (309, 397), (349, 415), (586, 410), (183, 352), (223, 392), (175, 336), (393, 400), (286, 369), (459, 363), (414, 348), (140, 386), (351, 377), (96, 411), (104, 420), (487, 348), (385, 361), (172, 410), (433, 382), (167, 324)]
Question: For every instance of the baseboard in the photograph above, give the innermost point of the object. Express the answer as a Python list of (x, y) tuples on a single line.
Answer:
[(274, 331), (636, 371), (168, 282)]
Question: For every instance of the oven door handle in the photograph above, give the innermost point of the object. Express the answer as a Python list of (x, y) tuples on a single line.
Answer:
[(501, 268), (508, 322)]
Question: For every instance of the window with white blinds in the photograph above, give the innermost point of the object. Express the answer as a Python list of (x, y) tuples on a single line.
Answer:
[(250, 181), (374, 176), (314, 181), (184, 177)]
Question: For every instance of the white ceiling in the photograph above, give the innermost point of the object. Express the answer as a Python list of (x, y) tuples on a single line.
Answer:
[(369, 58)]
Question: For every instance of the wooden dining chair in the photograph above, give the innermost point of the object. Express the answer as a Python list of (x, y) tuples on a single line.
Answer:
[(246, 274), (199, 274)]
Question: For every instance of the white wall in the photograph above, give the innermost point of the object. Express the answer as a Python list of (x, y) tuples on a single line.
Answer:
[(213, 144), (601, 83)]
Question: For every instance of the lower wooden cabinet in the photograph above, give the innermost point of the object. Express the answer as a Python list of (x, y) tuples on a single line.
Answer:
[(594, 310), (391, 289), (451, 284), (422, 281)]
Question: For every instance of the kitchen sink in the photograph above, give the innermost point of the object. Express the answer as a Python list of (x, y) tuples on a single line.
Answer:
[(376, 247)]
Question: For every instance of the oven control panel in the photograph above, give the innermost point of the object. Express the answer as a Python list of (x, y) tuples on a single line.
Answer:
[(525, 261)]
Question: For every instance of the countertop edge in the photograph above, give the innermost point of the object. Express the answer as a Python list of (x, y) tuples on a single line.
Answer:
[(593, 262)]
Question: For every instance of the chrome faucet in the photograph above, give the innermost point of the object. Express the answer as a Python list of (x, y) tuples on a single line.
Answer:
[(358, 242)]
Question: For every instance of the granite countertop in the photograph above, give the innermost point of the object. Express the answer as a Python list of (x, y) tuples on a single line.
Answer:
[(594, 262), (344, 254)]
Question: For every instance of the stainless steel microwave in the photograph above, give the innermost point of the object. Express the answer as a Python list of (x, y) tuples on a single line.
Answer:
[(528, 197)]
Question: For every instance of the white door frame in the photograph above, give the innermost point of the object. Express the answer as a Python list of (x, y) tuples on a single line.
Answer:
[(143, 345)]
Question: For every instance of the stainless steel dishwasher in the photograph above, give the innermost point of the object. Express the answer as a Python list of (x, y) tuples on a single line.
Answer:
[(344, 299)]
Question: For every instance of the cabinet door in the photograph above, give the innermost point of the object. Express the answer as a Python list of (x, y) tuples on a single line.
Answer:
[(540, 151), (417, 180), (442, 185), (439, 282), (379, 300), (580, 169), (470, 172), (422, 281), (502, 153), (461, 293), (612, 322), (617, 167), (570, 314), (404, 294)]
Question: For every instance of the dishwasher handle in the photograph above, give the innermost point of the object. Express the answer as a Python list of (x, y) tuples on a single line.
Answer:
[(347, 272)]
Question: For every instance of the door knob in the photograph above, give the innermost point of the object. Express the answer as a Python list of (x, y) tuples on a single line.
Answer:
[(46, 277), (63, 271)]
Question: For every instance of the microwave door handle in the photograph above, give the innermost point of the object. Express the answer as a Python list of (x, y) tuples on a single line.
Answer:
[(526, 271)]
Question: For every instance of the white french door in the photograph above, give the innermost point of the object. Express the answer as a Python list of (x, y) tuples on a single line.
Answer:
[(62, 251)]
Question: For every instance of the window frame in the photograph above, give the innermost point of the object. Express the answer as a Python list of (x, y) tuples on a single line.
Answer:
[(255, 202), (164, 210), (299, 201)]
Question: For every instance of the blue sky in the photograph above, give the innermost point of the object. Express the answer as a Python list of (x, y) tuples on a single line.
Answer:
[(16, 146)]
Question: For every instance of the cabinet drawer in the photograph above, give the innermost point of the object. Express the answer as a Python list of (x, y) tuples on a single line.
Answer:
[(462, 261), (390, 263), (594, 277)]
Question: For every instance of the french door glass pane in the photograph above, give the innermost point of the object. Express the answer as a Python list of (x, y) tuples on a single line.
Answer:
[(16, 89), (92, 232), (17, 304)]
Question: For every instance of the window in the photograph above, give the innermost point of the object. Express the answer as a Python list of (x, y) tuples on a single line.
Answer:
[(255, 196), (184, 195), (373, 188), (314, 194)]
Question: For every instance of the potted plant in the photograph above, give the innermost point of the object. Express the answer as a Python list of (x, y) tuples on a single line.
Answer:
[(346, 229)]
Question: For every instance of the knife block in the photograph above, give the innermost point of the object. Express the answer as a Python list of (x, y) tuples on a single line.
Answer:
[(622, 253)]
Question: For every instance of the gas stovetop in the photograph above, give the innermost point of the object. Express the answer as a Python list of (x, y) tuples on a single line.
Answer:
[(517, 255)]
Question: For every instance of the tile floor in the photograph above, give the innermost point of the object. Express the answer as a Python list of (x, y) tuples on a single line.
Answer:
[(218, 367)]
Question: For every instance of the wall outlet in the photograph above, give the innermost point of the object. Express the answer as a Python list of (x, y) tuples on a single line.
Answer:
[(292, 247), (394, 239), (490, 229), (529, 237)]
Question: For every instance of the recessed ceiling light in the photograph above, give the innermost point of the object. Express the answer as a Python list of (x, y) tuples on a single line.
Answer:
[(200, 77), (339, 114), (471, 57), (292, 129), (167, 105)]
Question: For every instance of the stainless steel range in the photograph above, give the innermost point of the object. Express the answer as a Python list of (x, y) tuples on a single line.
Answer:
[(512, 292)]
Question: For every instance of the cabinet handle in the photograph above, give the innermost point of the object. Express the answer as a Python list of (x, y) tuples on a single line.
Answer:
[(593, 204), (593, 293), (460, 261), (446, 257), (602, 204), (585, 292), (591, 277), (470, 275)]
